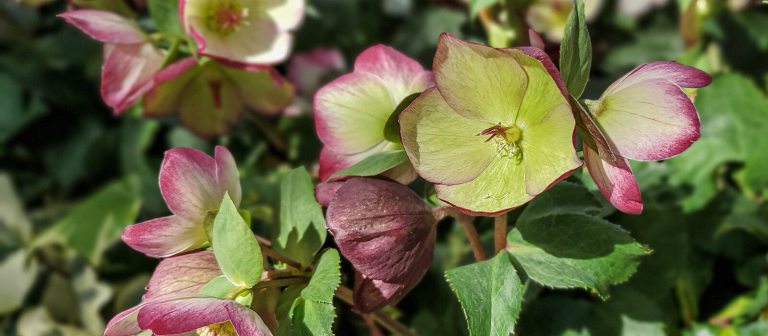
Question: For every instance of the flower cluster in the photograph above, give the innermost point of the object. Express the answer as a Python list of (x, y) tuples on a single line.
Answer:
[(233, 42)]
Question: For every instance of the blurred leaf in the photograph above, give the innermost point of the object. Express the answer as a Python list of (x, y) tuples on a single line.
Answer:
[(490, 293), (166, 16), (475, 6), (15, 227), (660, 42), (16, 113), (17, 274), (302, 225), (38, 321), (576, 51), (418, 36), (312, 312), (236, 249), (375, 164), (92, 296), (97, 222), (574, 250)]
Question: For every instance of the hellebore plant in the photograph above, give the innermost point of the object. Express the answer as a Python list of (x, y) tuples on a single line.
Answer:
[(494, 133), (173, 303), (368, 216), (210, 97), (351, 113), (644, 115), (130, 59), (193, 185), (242, 32)]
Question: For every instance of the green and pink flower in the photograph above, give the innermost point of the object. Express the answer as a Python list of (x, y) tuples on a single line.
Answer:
[(243, 32), (130, 59), (173, 305), (193, 185), (210, 97), (351, 112), (645, 115), (496, 130)]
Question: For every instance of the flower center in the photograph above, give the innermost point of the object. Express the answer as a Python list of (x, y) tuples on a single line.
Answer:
[(507, 140), (218, 329), (226, 17)]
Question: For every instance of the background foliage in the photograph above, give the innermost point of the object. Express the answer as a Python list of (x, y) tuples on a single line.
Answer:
[(72, 176)]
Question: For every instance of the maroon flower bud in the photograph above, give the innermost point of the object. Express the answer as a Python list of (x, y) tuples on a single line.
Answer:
[(388, 234)]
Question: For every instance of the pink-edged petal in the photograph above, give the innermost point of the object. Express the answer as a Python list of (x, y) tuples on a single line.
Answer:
[(615, 181), (394, 68), (128, 72), (182, 274), (188, 314), (536, 40), (679, 74), (325, 191), (228, 178), (650, 120), (546, 61), (124, 323), (105, 26), (307, 70), (169, 84), (351, 112), (166, 236), (368, 216), (330, 162), (188, 183)]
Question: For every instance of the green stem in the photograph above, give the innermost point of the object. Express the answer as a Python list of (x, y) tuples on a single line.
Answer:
[(172, 51)]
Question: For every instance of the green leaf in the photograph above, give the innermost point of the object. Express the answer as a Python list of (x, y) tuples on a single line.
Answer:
[(220, 287), (302, 224), (15, 114), (312, 311), (576, 51), (97, 222), (490, 293), (575, 250), (165, 13), (375, 164), (392, 128), (475, 6), (15, 227), (236, 249), (562, 198)]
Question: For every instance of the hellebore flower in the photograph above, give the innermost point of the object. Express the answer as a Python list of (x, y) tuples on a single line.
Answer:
[(549, 16), (192, 185), (210, 97), (644, 115), (172, 304), (308, 70), (351, 112), (243, 32), (388, 234), (494, 133), (130, 59)]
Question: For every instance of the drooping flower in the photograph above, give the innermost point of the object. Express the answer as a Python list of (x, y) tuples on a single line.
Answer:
[(243, 32), (193, 185), (130, 59), (388, 234), (549, 16), (351, 112), (210, 97), (172, 304), (495, 132), (644, 115)]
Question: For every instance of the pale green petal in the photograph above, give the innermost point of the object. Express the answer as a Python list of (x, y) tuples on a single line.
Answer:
[(479, 82), (548, 151), (210, 104), (352, 111), (499, 188), (542, 94), (443, 145)]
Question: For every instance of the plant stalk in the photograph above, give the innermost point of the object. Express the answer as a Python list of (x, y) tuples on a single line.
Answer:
[(499, 233), (470, 230), (396, 328)]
